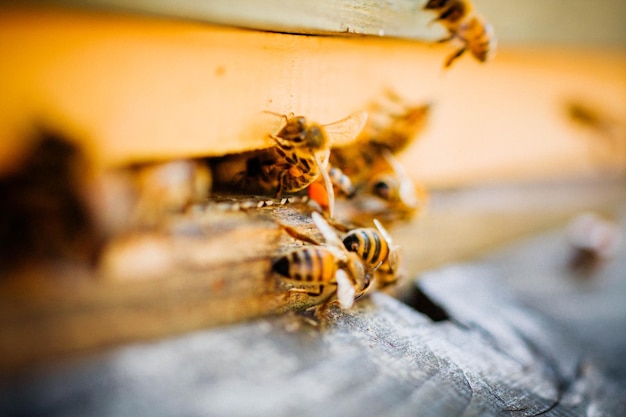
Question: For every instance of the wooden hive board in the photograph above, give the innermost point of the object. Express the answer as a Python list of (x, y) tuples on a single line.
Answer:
[(498, 345)]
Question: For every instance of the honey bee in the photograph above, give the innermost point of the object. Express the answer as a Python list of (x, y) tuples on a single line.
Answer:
[(393, 123), (594, 240), (303, 150), (341, 181), (324, 271), (476, 34), (382, 185), (376, 249)]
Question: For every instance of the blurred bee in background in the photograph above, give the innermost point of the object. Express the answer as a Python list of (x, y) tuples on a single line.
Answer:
[(393, 123), (376, 249), (380, 182), (594, 241), (326, 272), (608, 140), (461, 23), (168, 187), (301, 156), (48, 210)]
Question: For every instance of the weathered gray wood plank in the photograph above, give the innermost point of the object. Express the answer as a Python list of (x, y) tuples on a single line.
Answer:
[(397, 18), (500, 351), (220, 275)]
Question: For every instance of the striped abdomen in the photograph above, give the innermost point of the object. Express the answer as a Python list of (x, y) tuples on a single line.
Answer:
[(369, 244), (297, 171), (309, 265), (479, 38)]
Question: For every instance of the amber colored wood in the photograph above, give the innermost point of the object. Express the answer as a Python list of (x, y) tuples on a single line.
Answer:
[(140, 88), (220, 271)]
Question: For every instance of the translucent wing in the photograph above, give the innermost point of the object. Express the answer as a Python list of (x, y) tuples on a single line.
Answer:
[(384, 232), (346, 130), (327, 230), (345, 289), (393, 259)]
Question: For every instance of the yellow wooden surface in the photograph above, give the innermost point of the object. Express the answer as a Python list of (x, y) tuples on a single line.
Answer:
[(141, 88)]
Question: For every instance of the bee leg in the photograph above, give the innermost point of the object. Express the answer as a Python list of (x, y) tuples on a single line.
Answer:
[(307, 291), (281, 184), (322, 313), (454, 57), (318, 293), (294, 233), (446, 39)]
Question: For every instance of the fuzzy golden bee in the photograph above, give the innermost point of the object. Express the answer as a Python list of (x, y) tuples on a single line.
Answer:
[(300, 156), (393, 123), (475, 33), (370, 163), (304, 148), (326, 272), (376, 249)]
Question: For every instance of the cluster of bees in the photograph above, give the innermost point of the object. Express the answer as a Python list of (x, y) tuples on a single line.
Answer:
[(363, 179), (302, 163), (347, 169), (462, 24), (303, 160), (118, 221), (340, 269)]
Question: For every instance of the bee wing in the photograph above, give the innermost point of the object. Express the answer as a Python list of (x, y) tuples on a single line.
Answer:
[(345, 289), (346, 130), (384, 232), (327, 230)]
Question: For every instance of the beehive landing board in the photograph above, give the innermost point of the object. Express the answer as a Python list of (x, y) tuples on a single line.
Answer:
[(503, 348), (220, 275)]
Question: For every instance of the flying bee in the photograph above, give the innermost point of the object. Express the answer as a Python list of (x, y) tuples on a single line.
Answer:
[(324, 271), (476, 34), (303, 150), (451, 12), (376, 249)]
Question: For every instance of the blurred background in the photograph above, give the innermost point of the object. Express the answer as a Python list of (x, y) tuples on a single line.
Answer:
[(563, 22)]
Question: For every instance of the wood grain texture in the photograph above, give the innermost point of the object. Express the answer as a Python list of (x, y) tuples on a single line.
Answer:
[(219, 269), (494, 355), (187, 89), (397, 18)]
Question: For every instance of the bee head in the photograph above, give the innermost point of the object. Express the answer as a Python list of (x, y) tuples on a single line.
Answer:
[(386, 187), (281, 266), (315, 137)]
